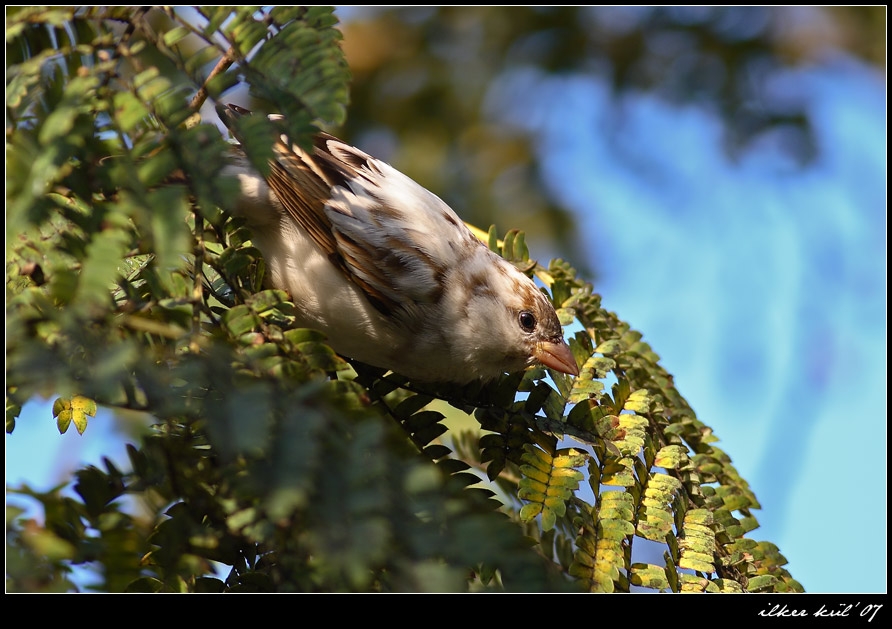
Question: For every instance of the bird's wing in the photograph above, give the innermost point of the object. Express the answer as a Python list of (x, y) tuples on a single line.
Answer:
[(391, 237)]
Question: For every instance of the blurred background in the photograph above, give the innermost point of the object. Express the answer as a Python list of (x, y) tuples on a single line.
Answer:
[(719, 174)]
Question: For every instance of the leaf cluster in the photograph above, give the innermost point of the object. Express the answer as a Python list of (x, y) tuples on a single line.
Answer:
[(270, 463)]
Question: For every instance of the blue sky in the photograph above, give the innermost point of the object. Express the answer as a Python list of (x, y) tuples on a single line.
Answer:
[(761, 284)]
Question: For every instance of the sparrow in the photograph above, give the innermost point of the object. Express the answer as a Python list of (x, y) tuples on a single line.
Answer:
[(388, 271)]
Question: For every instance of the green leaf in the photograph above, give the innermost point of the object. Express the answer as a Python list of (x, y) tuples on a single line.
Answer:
[(175, 35), (671, 457), (610, 347), (63, 420), (649, 575), (638, 402), (240, 319), (145, 585), (75, 409), (760, 583)]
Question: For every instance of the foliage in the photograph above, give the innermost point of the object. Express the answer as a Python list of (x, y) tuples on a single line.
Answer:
[(452, 95), (129, 287)]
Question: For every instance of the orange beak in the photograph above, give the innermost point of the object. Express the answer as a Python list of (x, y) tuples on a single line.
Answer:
[(557, 356)]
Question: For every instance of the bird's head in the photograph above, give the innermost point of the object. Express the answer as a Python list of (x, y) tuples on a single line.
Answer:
[(511, 323)]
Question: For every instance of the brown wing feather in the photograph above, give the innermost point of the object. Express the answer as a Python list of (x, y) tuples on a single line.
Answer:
[(303, 185)]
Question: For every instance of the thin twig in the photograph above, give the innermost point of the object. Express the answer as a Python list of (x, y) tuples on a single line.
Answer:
[(197, 292), (228, 58)]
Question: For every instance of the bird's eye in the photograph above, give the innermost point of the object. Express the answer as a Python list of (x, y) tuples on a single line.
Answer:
[(527, 321)]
